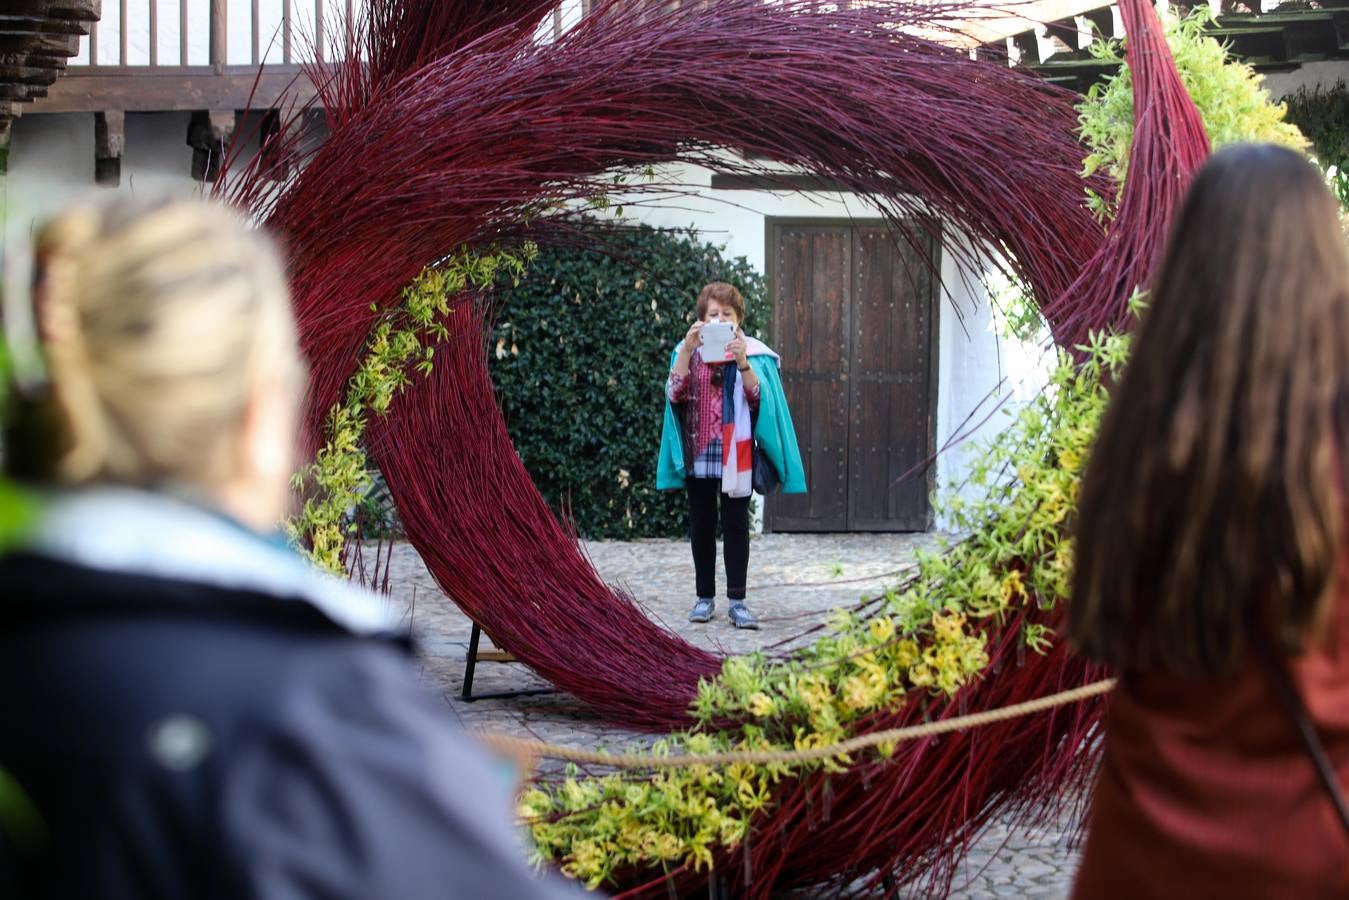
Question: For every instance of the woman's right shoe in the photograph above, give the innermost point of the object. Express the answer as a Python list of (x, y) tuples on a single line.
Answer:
[(741, 617), (702, 610)]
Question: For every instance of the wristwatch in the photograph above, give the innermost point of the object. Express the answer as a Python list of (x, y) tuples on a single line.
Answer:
[(743, 368)]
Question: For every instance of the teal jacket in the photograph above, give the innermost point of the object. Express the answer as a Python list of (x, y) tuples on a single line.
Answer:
[(773, 430)]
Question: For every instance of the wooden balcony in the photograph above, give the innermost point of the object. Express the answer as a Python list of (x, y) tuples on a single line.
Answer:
[(211, 58)]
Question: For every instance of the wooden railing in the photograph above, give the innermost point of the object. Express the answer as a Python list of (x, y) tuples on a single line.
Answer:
[(217, 33)]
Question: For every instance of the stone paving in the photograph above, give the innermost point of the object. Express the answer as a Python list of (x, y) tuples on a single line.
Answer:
[(795, 581)]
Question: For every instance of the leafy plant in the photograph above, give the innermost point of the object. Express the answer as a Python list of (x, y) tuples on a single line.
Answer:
[(338, 479), (579, 355), (1322, 114), (16, 508), (1233, 104)]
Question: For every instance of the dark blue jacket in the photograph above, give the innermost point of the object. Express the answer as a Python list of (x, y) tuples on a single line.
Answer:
[(180, 739)]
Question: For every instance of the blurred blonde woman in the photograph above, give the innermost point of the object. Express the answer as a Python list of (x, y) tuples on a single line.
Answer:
[(190, 710)]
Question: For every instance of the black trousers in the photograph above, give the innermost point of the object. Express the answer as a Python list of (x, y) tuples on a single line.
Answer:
[(704, 495)]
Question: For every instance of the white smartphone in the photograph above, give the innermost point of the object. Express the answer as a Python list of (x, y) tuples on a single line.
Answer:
[(715, 336)]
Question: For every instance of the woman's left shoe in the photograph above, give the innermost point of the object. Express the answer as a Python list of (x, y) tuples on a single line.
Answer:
[(741, 617)]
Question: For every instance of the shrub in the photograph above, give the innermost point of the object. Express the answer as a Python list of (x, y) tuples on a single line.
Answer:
[(579, 354), (1231, 99)]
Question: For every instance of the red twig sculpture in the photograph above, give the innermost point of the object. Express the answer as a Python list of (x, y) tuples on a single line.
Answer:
[(449, 140)]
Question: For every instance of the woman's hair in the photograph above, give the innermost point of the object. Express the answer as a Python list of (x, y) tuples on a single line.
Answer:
[(1214, 498), (726, 295), (153, 320)]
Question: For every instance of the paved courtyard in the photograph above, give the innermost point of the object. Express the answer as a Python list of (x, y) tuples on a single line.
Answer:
[(794, 581)]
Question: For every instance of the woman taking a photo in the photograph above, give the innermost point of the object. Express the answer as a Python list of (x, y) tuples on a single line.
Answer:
[(718, 415), (1211, 549)]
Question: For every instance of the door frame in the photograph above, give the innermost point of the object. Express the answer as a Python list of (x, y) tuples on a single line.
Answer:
[(934, 328)]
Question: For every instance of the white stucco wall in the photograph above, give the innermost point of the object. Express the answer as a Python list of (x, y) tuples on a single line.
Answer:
[(51, 163), (1309, 75)]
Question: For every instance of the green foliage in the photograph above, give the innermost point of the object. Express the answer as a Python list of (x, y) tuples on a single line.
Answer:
[(16, 507), (1231, 102), (927, 638), (1322, 114), (338, 480), (579, 356)]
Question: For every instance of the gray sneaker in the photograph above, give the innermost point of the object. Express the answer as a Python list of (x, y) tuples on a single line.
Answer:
[(702, 610), (741, 617)]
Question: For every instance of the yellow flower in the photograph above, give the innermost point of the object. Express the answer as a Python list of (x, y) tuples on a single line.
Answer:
[(761, 705), (1012, 588), (858, 693), (948, 626), (907, 653), (882, 629)]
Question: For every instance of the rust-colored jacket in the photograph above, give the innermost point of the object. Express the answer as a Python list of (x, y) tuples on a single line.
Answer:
[(1206, 791)]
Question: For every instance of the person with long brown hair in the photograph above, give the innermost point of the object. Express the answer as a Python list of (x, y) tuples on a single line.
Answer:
[(1211, 553)]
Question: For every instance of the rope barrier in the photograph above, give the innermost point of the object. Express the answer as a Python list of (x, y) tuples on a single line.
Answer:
[(521, 747)]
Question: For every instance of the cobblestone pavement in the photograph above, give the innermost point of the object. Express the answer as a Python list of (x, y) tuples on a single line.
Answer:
[(794, 582)]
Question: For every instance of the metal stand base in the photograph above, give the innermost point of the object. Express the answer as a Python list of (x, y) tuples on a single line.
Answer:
[(471, 665)]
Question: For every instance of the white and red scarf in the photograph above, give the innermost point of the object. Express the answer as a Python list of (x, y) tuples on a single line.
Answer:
[(737, 438), (737, 429)]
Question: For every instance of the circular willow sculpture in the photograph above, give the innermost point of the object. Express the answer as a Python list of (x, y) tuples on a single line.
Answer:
[(461, 131)]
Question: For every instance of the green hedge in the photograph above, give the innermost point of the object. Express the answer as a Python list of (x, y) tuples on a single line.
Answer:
[(579, 354), (1322, 114)]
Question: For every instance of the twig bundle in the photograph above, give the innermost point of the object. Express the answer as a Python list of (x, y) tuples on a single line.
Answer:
[(448, 139)]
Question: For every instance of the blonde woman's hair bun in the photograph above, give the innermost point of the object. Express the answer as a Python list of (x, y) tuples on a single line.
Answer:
[(153, 317)]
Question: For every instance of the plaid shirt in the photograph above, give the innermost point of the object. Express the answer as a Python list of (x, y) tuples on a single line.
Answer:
[(704, 417)]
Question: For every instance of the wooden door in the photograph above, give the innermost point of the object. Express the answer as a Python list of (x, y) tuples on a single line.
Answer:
[(854, 307)]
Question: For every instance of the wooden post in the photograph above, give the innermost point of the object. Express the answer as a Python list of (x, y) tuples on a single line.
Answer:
[(5, 128), (257, 35), (318, 30), (154, 32), (285, 31), (208, 134), (109, 143), (276, 144), (219, 31), (182, 32), (121, 35)]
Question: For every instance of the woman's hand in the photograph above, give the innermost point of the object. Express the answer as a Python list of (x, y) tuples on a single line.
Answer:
[(692, 339), (685, 356), (737, 349)]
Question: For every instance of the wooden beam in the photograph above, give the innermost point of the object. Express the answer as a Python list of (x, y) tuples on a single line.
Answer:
[(5, 129), (277, 143), (169, 88), (109, 145), (88, 10), (208, 134)]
